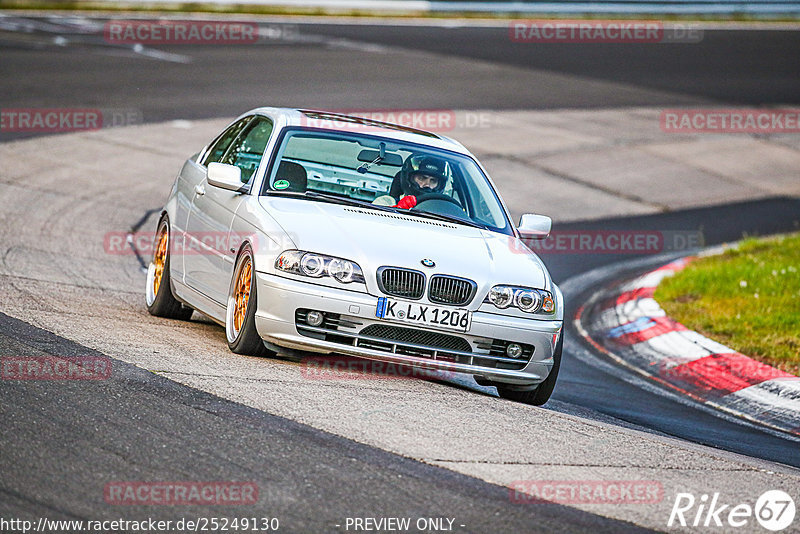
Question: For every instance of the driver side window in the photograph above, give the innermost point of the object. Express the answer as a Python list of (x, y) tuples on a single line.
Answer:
[(248, 149), (223, 142)]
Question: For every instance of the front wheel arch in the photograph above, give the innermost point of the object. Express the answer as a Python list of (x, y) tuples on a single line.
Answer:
[(241, 306)]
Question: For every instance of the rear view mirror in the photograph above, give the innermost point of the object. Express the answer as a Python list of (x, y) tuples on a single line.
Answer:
[(535, 226), (389, 158), (225, 176)]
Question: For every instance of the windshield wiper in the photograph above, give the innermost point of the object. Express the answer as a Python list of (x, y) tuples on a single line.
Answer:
[(347, 201), (448, 218), (333, 198), (314, 194)]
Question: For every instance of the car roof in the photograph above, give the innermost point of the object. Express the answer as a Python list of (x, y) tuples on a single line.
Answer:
[(332, 121)]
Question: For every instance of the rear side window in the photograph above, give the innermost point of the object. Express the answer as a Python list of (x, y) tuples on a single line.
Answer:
[(223, 142)]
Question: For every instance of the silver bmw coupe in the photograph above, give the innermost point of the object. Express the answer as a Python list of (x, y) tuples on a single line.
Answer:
[(310, 231)]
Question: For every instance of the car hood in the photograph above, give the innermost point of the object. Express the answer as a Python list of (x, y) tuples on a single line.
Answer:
[(374, 238)]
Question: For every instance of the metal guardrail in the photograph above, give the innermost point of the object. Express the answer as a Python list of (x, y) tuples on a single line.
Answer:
[(757, 7), (784, 8)]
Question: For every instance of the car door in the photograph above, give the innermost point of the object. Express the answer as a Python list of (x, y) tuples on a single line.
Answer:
[(209, 251), (192, 175)]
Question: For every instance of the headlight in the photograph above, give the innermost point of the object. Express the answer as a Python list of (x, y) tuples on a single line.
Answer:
[(289, 261), (341, 270), (501, 296), (319, 266), (313, 265), (526, 299)]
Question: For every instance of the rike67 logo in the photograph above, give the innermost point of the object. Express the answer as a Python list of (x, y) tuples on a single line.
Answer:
[(774, 510)]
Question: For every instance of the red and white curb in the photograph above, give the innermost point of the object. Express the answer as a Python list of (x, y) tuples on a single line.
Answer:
[(628, 325)]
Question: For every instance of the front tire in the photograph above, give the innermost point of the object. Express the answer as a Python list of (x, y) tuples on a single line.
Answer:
[(240, 318), (541, 394), (158, 293)]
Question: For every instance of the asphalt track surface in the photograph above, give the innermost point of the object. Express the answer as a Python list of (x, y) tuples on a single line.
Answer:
[(735, 67), (139, 425), (725, 67)]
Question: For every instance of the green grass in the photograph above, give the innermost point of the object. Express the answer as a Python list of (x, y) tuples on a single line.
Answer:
[(747, 298)]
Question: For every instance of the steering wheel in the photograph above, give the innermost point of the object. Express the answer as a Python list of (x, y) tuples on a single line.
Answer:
[(438, 196)]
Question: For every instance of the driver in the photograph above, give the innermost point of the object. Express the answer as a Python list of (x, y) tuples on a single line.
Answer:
[(429, 177)]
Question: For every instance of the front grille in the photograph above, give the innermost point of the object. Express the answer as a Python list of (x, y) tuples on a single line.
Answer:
[(417, 337), (451, 290), (401, 282), (396, 340)]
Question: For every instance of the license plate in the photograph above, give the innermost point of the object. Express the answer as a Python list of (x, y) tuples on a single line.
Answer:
[(423, 314)]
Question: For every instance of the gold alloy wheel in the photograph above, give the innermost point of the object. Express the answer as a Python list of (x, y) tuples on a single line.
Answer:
[(241, 294), (159, 260)]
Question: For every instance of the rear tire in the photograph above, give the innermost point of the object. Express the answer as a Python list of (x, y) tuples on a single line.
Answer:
[(158, 292), (541, 394), (240, 318)]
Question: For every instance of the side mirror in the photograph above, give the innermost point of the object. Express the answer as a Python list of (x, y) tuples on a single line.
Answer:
[(535, 226), (225, 176)]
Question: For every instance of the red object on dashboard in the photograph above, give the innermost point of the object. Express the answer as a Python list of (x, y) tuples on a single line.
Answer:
[(407, 202)]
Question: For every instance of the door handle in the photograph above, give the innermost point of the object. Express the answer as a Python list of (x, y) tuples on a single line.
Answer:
[(199, 190)]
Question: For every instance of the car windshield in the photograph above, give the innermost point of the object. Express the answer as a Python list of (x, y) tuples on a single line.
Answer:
[(367, 170)]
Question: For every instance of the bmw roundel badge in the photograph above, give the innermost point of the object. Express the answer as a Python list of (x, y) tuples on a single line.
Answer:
[(428, 263)]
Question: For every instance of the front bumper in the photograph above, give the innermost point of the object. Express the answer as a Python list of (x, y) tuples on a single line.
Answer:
[(352, 327)]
